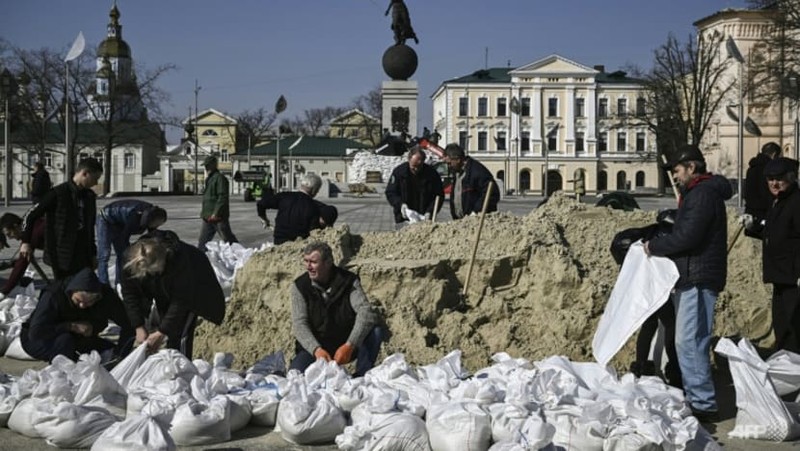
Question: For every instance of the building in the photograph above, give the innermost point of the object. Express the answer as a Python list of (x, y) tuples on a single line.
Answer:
[(553, 116), (358, 126)]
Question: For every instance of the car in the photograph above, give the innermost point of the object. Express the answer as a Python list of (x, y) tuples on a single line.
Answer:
[(618, 200)]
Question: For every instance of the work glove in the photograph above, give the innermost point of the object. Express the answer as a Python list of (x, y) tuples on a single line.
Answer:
[(404, 211), (213, 219), (747, 221), (344, 354), (320, 353), (265, 223), (81, 328)]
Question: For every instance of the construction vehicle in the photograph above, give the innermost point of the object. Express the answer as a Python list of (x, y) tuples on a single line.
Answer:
[(254, 181)]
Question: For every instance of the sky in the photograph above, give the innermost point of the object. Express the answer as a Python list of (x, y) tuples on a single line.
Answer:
[(244, 54)]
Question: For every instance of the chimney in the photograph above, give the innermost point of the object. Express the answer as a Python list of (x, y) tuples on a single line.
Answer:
[(600, 68)]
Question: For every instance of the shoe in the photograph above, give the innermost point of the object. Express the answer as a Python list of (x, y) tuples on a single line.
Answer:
[(706, 416), (645, 368)]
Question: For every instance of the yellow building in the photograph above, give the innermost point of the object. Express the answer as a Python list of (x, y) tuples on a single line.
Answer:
[(358, 126), (216, 135), (553, 116)]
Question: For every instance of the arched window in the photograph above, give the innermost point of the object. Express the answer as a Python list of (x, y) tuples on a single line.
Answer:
[(602, 181), (524, 180), (210, 132), (640, 179), (501, 175), (621, 180)]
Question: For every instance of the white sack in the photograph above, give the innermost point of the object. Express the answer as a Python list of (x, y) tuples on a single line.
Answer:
[(28, 413), (164, 366), (7, 404), (136, 433), (124, 371), (458, 426), (642, 287), (387, 432), (196, 423), (761, 414), (94, 385), (264, 401), (784, 370), (310, 419), (15, 351), (72, 426)]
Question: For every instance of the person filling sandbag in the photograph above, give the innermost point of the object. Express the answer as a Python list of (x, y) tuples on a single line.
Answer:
[(70, 315), (331, 318)]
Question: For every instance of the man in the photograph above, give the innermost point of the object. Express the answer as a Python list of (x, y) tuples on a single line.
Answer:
[(698, 246), (215, 211), (11, 225), (70, 315), (757, 198), (781, 250), (415, 186), (331, 318), (70, 212), (298, 212), (40, 182), (116, 223), (470, 183)]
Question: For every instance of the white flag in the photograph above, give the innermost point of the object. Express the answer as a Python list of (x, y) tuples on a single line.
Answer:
[(77, 48)]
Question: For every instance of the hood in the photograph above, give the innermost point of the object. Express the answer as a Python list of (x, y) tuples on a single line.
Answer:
[(759, 160), (719, 184), (84, 280), (167, 236)]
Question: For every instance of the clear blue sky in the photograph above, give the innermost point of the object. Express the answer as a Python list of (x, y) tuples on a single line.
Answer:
[(317, 53)]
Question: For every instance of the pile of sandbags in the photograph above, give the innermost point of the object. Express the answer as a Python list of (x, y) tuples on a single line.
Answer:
[(15, 309)]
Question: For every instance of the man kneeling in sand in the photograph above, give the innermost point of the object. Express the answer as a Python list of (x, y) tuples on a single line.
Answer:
[(331, 317)]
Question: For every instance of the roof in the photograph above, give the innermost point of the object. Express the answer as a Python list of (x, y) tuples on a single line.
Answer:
[(88, 133), (227, 119), (354, 112), (492, 75), (308, 146), (734, 13)]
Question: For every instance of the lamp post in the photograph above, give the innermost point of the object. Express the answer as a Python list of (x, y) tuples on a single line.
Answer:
[(515, 109), (280, 105), (794, 88), (733, 52), (7, 89), (196, 140)]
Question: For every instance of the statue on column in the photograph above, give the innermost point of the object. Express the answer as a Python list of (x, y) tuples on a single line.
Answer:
[(401, 22)]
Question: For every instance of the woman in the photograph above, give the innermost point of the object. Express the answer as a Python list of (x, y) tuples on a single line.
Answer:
[(182, 282)]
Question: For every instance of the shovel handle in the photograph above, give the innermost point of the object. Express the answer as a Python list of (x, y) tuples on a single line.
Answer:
[(477, 237), (435, 209), (735, 237), (671, 180)]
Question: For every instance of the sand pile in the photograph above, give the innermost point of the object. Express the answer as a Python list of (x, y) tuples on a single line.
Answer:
[(538, 288)]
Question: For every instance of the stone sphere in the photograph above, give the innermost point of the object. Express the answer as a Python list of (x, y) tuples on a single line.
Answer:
[(400, 62)]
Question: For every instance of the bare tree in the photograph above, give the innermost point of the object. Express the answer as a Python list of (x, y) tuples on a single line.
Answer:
[(254, 125), (370, 103), (774, 71)]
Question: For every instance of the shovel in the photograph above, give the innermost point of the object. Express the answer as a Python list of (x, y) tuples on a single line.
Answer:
[(463, 298), (435, 209)]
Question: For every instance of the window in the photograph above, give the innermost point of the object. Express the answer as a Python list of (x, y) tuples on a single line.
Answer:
[(622, 107), (501, 141), (463, 106), (525, 143), (622, 182), (552, 107), (48, 158), (602, 142), (354, 133), (579, 108), (640, 179), (130, 161), (640, 141), (462, 139), (579, 142), (602, 181), (482, 140), (224, 155), (525, 109), (602, 108), (341, 132), (621, 141), (483, 106), (210, 132), (552, 142), (501, 106), (641, 106)]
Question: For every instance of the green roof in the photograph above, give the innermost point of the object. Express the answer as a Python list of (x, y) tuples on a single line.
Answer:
[(87, 133), (493, 75), (309, 146)]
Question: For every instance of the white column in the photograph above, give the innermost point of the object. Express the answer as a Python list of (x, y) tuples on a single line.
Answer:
[(591, 121), (536, 112)]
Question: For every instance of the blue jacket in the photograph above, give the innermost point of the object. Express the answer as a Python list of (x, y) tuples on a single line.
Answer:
[(699, 237), (130, 216), (473, 189)]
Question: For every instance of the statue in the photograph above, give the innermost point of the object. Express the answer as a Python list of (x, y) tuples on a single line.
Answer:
[(401, 22)]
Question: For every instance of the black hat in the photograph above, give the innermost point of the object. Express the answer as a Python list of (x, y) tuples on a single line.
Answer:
[(209, 160), (780, 166), (688, 152)]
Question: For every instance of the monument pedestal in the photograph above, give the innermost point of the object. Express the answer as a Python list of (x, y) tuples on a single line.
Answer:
[(400, 98)]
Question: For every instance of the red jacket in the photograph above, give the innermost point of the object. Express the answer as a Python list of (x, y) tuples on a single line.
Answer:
[(37, 242)]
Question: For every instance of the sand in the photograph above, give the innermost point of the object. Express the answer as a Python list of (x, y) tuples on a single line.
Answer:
[(538, 287)]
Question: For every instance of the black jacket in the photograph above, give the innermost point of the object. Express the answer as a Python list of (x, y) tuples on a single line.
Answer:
[(473, 189), (698, 241), (55, 311), (188, 283), (40, 184), (69, 236), (757, 198), (781, 235), (331, 320), (418, 192), (298, 214)]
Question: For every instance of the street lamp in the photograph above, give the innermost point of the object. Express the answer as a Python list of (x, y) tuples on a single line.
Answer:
[(794, 86), (733, 52), (8, 87), (196, 137), (280, 105), (515, 109)]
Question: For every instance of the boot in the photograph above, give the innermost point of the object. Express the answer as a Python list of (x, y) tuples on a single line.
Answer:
[(643, 368)]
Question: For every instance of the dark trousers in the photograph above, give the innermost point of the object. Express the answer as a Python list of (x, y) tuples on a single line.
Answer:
[(223, 228), (366, 354), (67, 344), (786, 317), (182, 338), (665, 315), (108, 236)]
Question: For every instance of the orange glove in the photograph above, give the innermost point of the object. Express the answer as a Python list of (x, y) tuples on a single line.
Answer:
[(320, 353), (344, 354)]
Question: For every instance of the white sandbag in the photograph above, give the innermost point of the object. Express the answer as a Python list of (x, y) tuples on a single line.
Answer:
[(28, 414), (445, 374), (240, 410), (95, 385), (483, 391), (166, 365), (203, 368), (264, 401), (387, 432), (124, 371), (761, 414), (15, 351), (458, 426), (175, 392), (784, 370), (507, 420), (310, 419), (571, 434), (196, 423), (136, 433), (642, 287), (7, 403), (73, 426), (392, 367)]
